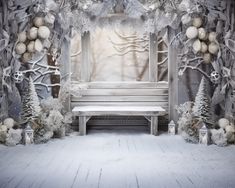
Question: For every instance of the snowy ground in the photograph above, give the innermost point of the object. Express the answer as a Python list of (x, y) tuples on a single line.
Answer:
[(117, 160)]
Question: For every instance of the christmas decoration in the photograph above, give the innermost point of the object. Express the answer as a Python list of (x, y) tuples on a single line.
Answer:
[(201, 108), (203, 135), (171, 128), (30, 102), (28, 135), (215, 77)]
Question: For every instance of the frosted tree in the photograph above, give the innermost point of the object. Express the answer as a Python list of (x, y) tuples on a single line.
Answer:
[(30, 103), (201, 108)]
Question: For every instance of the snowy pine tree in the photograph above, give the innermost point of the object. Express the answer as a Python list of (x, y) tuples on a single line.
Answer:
[(30, 103), (201, 106)]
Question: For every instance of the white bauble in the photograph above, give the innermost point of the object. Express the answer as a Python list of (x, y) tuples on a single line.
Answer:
[(22, 36), (204, 47), (213, 48), (33, 33), (207, 58), (197, 45), (202, 33), (43, 32), (38, 21), (192, 32), (20, 48), (38, 45), (223, 122), (186, 19), (9, 122), (197, 22), (31, 46), (26, 57), (215, 77), (3, 128), (212, 36), (230, 133), (49, 18), (230, 128)]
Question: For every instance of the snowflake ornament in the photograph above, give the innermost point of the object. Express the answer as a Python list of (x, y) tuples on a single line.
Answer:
[(215, 77), (18, 76)]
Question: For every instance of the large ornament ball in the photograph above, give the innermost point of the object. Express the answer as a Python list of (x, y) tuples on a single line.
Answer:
[(31, 47), (207, 58), (212, 36), (44, 32), (20, 48), (9, 123), (197, 45), (215, 77), (202, 33), (22, 36), (26, 57), (223, 122), (33, 33), (213, 48), (197, 22), (38, 45), (38, 21), (192, 32), (186, 19), (230, 128), (204, 47), (18, 77)]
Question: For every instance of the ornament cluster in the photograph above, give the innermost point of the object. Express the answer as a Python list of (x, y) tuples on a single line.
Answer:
[(204, 42), (31, 41)]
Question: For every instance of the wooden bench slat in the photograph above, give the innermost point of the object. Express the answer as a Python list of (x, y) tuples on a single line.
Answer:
[(119, 98), (121, 85), (162, 104), (126, 92)]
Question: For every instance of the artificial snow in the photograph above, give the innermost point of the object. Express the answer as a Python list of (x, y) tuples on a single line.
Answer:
[(121, 159)]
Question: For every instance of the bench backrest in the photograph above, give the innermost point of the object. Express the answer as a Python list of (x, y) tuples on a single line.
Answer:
[(120, 93)]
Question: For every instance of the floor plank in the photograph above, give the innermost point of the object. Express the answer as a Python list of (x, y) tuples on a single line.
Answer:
[(117, 159)]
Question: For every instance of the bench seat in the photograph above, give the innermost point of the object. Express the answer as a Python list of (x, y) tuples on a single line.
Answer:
[(85, 112)]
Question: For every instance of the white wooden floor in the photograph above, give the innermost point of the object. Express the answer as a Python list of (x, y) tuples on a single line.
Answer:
[(117, 160)]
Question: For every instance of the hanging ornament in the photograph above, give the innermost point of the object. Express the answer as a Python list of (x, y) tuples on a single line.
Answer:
[(18, 76), (215, 77)]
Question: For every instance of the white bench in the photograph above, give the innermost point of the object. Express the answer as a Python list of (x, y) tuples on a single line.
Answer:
[(86, 112)]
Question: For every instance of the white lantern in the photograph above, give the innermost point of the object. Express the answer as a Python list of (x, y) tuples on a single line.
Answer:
[(203, 135), (171, 128), (28, 135)]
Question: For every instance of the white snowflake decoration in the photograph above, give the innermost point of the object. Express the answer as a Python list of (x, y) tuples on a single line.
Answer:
[(18, 76), (215, 77)]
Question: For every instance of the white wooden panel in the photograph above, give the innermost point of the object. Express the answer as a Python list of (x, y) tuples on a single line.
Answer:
[(120, 98), (129, 92), (85, 66), (173, 79), (118, 110), (121, 85), (162, 104), (153, 57)]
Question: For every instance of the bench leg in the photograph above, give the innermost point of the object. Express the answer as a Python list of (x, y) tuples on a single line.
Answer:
[(82, 125), (154, 125)]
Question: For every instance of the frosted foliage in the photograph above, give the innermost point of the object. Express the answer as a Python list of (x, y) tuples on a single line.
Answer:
[(188, 127), (218, 137), (51, 104), (30, 103), (13, 137), (34, 101), (201, 106), (54, 120)]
